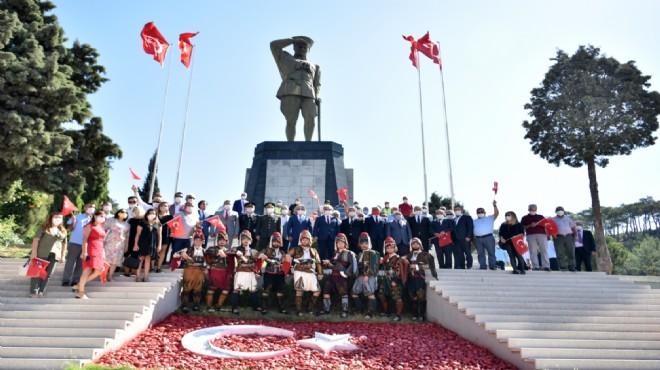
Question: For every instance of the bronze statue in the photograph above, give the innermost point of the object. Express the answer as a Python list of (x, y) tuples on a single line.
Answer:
[(301, 82)]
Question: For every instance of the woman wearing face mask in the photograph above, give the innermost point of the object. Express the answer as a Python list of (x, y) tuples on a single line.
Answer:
[(164, 217), (189, 221), (147, 243), (116, 230), (510, 228), (49, 244), (92, 252), (107, 208)]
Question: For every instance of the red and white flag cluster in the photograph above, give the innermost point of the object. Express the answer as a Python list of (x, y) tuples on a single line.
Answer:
[(425, 46), (155, 44)]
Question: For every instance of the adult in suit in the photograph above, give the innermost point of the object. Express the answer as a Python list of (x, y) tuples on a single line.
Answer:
[(438, 226), (248, 221), (240, 204), (267, 225), (326, 228), (463, 236), (399, 230), (376, 229), (352, 226), (420, 226), (285, 217), (177, 206), (228, 218), (203, 215), (585, 247), (297, 223)]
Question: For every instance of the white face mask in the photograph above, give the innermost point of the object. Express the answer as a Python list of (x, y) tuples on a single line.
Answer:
[(151, 217), (533, 213), (450, 217), (417, 213), (560, 213), (107, 209), (227, 207), (90, 211), (178, 200), (440, 217), (285, 212), (153, 204), (327, 213), (351, 214), (509, 218), (481, 215), (57, 221), (458, 213), (131, 206), (189, 209), (249, 210), (269, 211), (100, 219), (244, 197), (398, 217), (301, 212)]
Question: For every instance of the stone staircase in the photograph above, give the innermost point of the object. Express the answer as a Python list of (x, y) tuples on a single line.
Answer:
[(59, 330), (551, 320)]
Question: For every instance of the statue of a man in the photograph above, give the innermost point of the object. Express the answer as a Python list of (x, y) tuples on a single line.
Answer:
[(301, 82)]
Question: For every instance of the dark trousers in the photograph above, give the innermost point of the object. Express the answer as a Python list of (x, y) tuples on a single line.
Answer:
[(462, 255), (38, 285), (517, 261), (582, 255), (73, 264), (403, 249), (326, 248), (444, 255)]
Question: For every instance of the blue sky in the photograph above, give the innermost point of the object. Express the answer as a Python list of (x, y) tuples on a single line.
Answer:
[(493, 53)]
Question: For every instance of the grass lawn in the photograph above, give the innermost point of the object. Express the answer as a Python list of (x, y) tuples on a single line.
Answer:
[(15, 251)]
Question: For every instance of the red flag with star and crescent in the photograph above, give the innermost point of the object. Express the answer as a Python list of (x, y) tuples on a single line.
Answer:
[(343, 194), (425, 46), (215, 221), (520, 244), (550, 226), (154, 43), (68, 206), (37, 268), (176, 226), (186, 47)]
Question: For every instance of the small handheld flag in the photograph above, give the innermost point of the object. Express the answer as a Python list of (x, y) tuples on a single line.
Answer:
[(134, 175)]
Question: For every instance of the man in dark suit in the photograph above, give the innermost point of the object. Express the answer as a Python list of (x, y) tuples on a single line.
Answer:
[(438, 226), (399, 230), (376, 229), (240, 204), (585, 247), (177, 206), (229, 218), (248, 221), (326, 228), (297, 223), (420, 226), (463, 235), (267, 224), (352, 227)]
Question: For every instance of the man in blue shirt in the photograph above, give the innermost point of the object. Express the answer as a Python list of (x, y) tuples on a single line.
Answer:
[(483, 237), (73, 264)]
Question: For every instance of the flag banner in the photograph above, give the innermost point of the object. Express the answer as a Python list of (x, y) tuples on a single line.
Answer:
[(104, 273), (258, 264), (444, 239), (175, 262), (313, 194), (495, 187), (154, 43), (520, 244), (286, 267), (68, 206), (176, 227), (429, 48), (186, 47), (343, 194), (217, 223), (413, 50), (550, 226), (37, 268), (134, 175)]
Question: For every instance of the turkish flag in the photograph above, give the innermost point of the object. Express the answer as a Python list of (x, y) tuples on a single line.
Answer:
[(313, 194), (495, 187), (186, 47), (154, 43), (37, 268), (286, 267), (258, 264), (175, 262), (343, 194), (104, 273), (413, 50), (520, 244), (444, 239), (134, 175), (429, 48), (176, 227), (215, 221), (550, 226), (67, 206)]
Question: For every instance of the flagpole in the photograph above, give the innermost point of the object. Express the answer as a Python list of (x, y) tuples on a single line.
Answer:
[(444, 108), (421, 120), (185, 119), (160, 133)]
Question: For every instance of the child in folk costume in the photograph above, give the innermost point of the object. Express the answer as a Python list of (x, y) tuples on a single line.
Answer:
[(193, 272), (246, 275), (274, 271), (221, 268), (419, 262), (366, 283), (394, 275), (307, 272), (343, 264)]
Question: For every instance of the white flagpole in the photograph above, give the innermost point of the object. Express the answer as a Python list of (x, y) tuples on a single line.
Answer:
[(421, 120), (444, 108), (160, 133), (185, 119)]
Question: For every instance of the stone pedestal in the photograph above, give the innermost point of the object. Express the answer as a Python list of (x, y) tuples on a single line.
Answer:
[(283, 170)]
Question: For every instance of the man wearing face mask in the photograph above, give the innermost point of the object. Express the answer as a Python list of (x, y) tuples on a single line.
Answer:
[(443, 225), (376, 229), (155, 201), (399, 230), (483, 237), (190, 222), (537, 240), (297, 223), (178, 203), (132, 203), (565, 240), (267, 224), (420, 226), (585, 247), (307, 272), (284, 220), (352, 226), (292, 207), (229, 218), (464, 233), (73, 264), (240, 204), (248, 221), (326, 228), (107, 208)]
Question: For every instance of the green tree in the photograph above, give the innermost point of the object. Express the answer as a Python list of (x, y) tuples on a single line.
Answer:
[(146, 187), (437, 201), (589, 107), (644, 258), (619, 254), (26, 209)]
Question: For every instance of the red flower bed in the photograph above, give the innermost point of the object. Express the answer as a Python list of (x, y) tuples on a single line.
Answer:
[(253, 342), (381, 346)]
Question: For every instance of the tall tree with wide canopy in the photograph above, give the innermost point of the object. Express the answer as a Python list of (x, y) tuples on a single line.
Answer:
[(590, 107)]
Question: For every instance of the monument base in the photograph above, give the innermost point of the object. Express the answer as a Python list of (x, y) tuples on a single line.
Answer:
[(285, 170)]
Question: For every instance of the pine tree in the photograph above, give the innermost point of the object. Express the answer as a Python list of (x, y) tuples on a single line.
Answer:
[(146, 187)]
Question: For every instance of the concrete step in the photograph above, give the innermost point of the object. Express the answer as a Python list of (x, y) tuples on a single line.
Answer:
[(587, 300), (517, 343), (504, 334), (63, 323), (548, 285), (110, 288), (568, 319), (90, 294), (38, 364), (62, 315), (67, 342), (593, 353), (137, 309), (47, 352), (532, 306), (74, 301), (491, 326), (593, 364), (78, 332), (559, 311), (624, 293)]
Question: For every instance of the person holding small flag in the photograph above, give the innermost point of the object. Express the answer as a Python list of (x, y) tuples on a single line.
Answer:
[(221, 263), (49, 243), (483, 237), (537, 239), (443, 229), (164, 217), (73, 264), (565, 240), (510, 228), (419, 262), (189, 222), (194, 271)]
